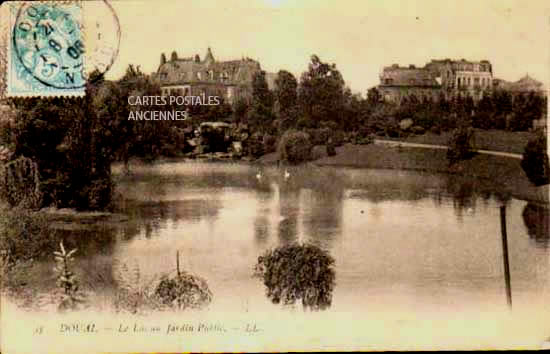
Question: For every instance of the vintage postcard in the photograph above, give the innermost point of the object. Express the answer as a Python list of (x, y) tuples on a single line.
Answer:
[(274, 175)]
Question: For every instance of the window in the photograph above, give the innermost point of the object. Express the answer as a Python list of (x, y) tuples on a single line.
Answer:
[(199, 75), (389, 81), (459, 83)]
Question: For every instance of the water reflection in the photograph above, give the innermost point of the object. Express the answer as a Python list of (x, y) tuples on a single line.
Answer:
[(323, 219), (152, 216), (289, 210), (536, 219)]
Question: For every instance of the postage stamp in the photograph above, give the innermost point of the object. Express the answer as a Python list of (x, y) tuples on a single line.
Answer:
[(46, 48)]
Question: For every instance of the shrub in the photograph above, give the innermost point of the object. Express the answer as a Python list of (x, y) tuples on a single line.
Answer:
[(255, 145), (391, 129), (417, 129), (24, 235), (184, 290), (305, 123), (436, 129), (295, 272), (98, 194), (294, 147), (319, 136), (460, 144), (133, 295), (269, 143), (20, 183), (338, 137), (535, 161), (331, 150)]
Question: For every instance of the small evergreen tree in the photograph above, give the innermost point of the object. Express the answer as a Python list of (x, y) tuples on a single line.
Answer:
[(535, 161)]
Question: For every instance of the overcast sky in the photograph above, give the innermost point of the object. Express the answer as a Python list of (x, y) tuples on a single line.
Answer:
[(359, 36)]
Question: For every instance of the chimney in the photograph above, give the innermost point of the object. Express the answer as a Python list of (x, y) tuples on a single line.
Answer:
[(411, 66)]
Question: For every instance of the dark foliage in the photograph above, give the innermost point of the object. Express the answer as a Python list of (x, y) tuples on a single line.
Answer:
[(460, 144), (295, 147), (184, 291), (298, 272), (535, 161)]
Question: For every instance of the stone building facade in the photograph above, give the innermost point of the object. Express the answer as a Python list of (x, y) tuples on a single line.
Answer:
[(450, 78), (398, 83), (192, 76)]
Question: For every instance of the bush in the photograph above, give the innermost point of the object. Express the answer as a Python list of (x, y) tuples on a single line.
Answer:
[(338, 137), (295, 272), (269, 143), (535, 161), (392, 129), (319, 136), (436, 129), (460, 144), (20, 184), (305, 123), (331, 150), (97, 195), (24, 235), (184, 291), (418, 130), (256, 145), (295, 147)]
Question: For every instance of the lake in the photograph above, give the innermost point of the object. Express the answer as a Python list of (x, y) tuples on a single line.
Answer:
[(412, 250)]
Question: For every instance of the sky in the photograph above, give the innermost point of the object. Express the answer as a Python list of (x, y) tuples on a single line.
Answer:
[(361, 37)]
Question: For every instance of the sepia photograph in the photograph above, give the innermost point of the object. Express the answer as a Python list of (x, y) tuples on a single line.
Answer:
[(274, 175)]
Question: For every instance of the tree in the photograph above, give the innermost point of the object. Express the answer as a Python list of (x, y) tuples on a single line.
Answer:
[(321, 92), (535, 161), (460, 144), (373, 96), (286, 93), (260, 115)]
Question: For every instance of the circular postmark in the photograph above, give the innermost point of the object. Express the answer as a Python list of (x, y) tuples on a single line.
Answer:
[(61, 44)]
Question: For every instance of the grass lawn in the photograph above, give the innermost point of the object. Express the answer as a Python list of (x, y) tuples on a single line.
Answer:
[(497, 140), (499, 174)]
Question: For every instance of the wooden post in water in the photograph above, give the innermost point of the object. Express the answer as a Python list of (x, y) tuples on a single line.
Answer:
[(505, 255), (178, 263)]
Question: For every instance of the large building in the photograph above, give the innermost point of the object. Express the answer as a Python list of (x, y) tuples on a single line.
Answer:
[(447, 77), (231, 79)]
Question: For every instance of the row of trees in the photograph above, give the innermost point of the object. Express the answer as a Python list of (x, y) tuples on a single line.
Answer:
[(74, 140), (320, 99)]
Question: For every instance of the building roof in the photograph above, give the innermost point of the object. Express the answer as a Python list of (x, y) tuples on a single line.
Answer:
[(185, 70), (407, 76), (525, 84)]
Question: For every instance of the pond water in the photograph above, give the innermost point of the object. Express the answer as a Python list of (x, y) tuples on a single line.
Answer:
[(409, 243)]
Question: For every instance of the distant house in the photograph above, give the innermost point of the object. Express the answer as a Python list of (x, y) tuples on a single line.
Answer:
[(231, 79), (397, 83), (450, 78), (525, 85)]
